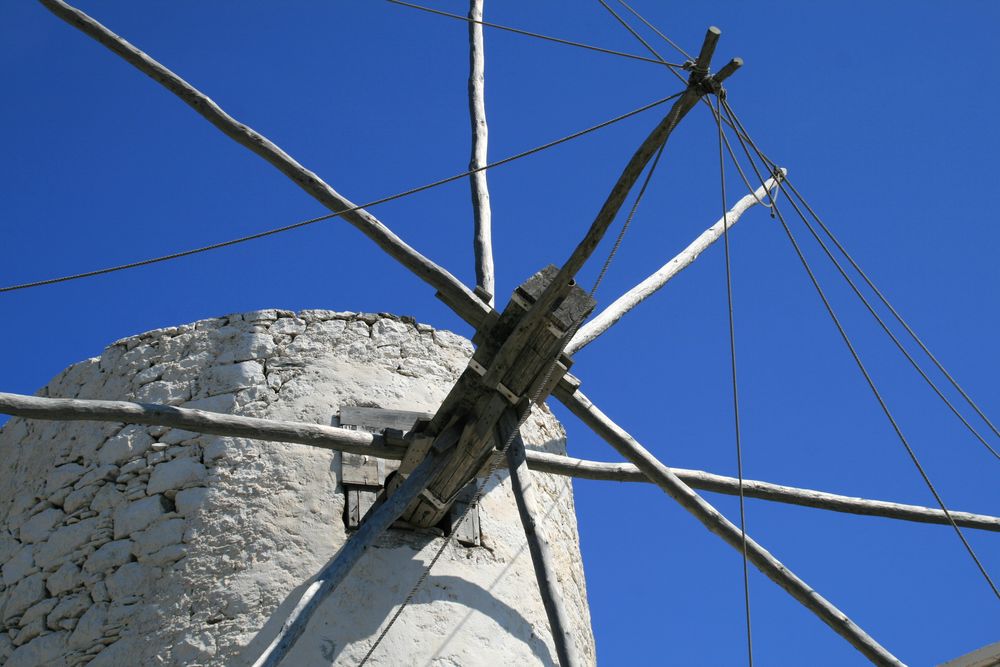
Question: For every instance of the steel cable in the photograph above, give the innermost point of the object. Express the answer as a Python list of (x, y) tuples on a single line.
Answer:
[(328, 216), (526, 33), (882, 298), (871, 384), (656, 30), (732, 360)]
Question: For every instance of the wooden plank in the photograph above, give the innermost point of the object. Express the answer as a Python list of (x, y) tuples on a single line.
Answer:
[(469, 531), (377, 420), (359, 502), (360, 470)]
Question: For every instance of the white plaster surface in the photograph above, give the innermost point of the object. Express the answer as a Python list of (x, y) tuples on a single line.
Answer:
[(133, 545)]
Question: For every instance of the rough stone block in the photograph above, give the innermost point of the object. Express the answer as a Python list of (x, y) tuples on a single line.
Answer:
[(252, 345), (232, 377), (8, 546), (158, 535), (175, 474), (109, 556), (40, 526), (66, 578), (28, 591), (131, 441), (131, 581), (90, 627), (102, 473), (71, 606), (288, 325), (38, 611), (107, 498), (188, 501), (19, 566), (64, 475), (48, 650), (137, 515), (63, 542), (161, 391), (165, 556), (390, 332), (79, 498)]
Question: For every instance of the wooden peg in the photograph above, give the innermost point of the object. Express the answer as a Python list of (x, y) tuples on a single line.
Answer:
[(728, 70)]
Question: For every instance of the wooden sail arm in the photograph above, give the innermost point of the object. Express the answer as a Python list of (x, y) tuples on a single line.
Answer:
[(482, 215), (645, 289), (390, 447), (712, 519)]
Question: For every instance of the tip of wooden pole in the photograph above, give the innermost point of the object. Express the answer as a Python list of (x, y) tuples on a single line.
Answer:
[(708, 48), (728, 70)]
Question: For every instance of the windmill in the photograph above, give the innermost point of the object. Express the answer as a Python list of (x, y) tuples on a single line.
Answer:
[(461, 300)]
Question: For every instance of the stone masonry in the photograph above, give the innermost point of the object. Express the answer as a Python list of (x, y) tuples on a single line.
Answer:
[(133, 545)]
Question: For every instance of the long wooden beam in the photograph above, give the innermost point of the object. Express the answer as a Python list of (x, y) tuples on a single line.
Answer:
[(199, 421), (538, 546), (334, 572), (730, 486), (712, 519), (453, 292), (482, 216), (361, 442), (626, 302)]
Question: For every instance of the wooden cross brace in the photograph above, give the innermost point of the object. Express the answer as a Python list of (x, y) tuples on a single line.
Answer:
[(529, 372)]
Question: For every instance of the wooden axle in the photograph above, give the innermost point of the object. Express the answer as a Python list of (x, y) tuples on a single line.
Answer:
[(532, 371)]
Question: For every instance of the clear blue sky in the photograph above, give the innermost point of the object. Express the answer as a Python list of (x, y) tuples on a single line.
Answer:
[(884, 114)]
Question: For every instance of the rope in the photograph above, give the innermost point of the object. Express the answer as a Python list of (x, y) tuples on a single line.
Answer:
[(278, 230), (656, 30), (499, 456), (732, 360), (871, 384), (879, 319), (526, 33)]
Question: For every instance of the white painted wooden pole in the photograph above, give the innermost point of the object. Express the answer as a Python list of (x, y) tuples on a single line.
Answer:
[(712, 519), (361, 442), (557, 464), (626, 302), (483, 232), (454, 293)]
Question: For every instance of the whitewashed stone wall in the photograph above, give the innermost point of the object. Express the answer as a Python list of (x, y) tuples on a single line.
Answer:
[(131, 545)]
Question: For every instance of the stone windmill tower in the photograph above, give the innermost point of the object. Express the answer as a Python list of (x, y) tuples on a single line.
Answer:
[(321, 488)]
